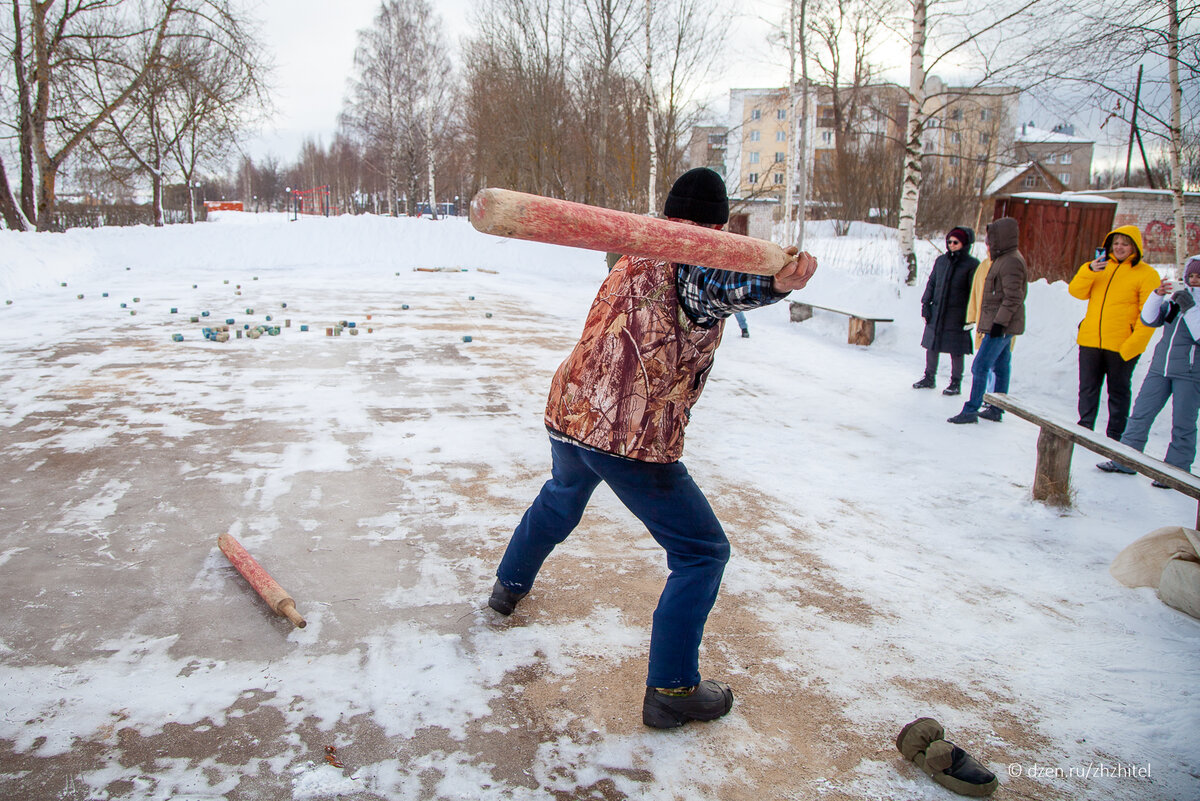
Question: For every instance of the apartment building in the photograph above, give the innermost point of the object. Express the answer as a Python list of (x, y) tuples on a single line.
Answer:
[(968, 136), (706, 148), (1063, 154), (756, 145), (967, 142), (756, 142)]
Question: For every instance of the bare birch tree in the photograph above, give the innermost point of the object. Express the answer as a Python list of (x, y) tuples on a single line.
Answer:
[(196, 99), (993, 43), (76, 64), (687, 34), (605, 32), (398, 92)]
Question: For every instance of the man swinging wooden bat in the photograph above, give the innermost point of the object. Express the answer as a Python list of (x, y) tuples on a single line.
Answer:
[(617, 410)]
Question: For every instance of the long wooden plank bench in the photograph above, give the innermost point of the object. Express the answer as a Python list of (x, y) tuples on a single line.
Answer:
[(1057, 441), (862, 326)]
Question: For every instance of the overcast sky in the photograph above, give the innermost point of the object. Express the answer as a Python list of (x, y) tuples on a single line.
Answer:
[(313, 43)]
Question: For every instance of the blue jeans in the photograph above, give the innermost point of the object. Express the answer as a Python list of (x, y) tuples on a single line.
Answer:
[(666, 499), (994, 355)]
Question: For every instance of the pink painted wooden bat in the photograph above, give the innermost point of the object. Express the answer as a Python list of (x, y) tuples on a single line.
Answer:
[(276, 597), (560, 222)]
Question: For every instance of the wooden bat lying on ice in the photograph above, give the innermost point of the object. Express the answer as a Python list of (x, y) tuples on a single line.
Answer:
[(560, 222), (276, 597)]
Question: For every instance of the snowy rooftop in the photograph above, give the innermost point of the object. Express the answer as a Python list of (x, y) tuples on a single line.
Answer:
[(1030, 133), (1005, 176), (1065, 197)]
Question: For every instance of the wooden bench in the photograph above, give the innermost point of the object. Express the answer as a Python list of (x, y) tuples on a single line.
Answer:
[(1056, 443), (862, 326)]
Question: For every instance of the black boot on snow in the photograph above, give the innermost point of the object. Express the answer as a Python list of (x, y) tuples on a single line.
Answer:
[(709, 700), (926, 382), (954, 387), (950, 766), (503, 599), (993, 413)]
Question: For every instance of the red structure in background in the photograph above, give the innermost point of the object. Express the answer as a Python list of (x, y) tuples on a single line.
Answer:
[(223, 205), (316, 201), (1057, 235)]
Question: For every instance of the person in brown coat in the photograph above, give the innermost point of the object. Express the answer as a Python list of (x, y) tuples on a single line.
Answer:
[(1001, 317)]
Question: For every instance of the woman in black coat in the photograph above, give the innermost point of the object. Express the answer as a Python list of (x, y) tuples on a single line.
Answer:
[(944, 307)]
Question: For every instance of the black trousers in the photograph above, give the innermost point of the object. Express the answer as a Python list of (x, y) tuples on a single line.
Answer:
[(956, 364), (1097, 366)]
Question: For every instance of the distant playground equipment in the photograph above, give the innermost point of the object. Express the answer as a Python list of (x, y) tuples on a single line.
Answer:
[(315, 202)]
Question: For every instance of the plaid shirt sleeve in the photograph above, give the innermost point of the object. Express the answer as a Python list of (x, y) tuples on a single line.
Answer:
[(709, 296)]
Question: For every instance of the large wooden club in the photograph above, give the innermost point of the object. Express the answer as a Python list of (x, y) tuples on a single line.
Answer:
[(276, 597), (560, 222)]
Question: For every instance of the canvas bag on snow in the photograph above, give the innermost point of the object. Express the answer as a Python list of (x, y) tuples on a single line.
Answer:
[(1167, 559)]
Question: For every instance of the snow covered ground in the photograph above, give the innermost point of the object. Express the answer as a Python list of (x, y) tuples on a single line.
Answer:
[(886, 565)]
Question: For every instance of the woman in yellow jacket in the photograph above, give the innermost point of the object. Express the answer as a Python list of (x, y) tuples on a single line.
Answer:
[(1111, 335)]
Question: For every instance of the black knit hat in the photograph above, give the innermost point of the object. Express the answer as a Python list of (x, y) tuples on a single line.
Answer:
[(698, 195)]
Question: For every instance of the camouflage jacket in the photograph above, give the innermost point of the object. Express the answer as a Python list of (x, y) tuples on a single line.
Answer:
[(629, 385)]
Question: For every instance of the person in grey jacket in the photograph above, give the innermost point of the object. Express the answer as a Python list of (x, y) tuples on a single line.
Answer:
[(1174, 373)]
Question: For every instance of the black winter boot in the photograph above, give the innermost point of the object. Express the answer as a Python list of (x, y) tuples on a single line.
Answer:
[(503, 599), (954, 387), (927, 382), (991, 413), (709, 700)]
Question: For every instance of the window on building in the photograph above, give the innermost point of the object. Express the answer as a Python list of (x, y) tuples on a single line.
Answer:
[(780, 158), (951, 182), (1065, 177), (985, 114), (1066, 159), (954, 161), (716, 139), (984, 138), (955, 138), (781, 114), (781, 136), (1051, 158), (754, 157), (956, 114), (1029, 181), (826, 137), (756, 114), (778, 177), (755, 136), (752, 178), (979, 183)]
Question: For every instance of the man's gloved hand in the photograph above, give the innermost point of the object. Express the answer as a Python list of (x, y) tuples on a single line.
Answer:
[(997, 331)]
